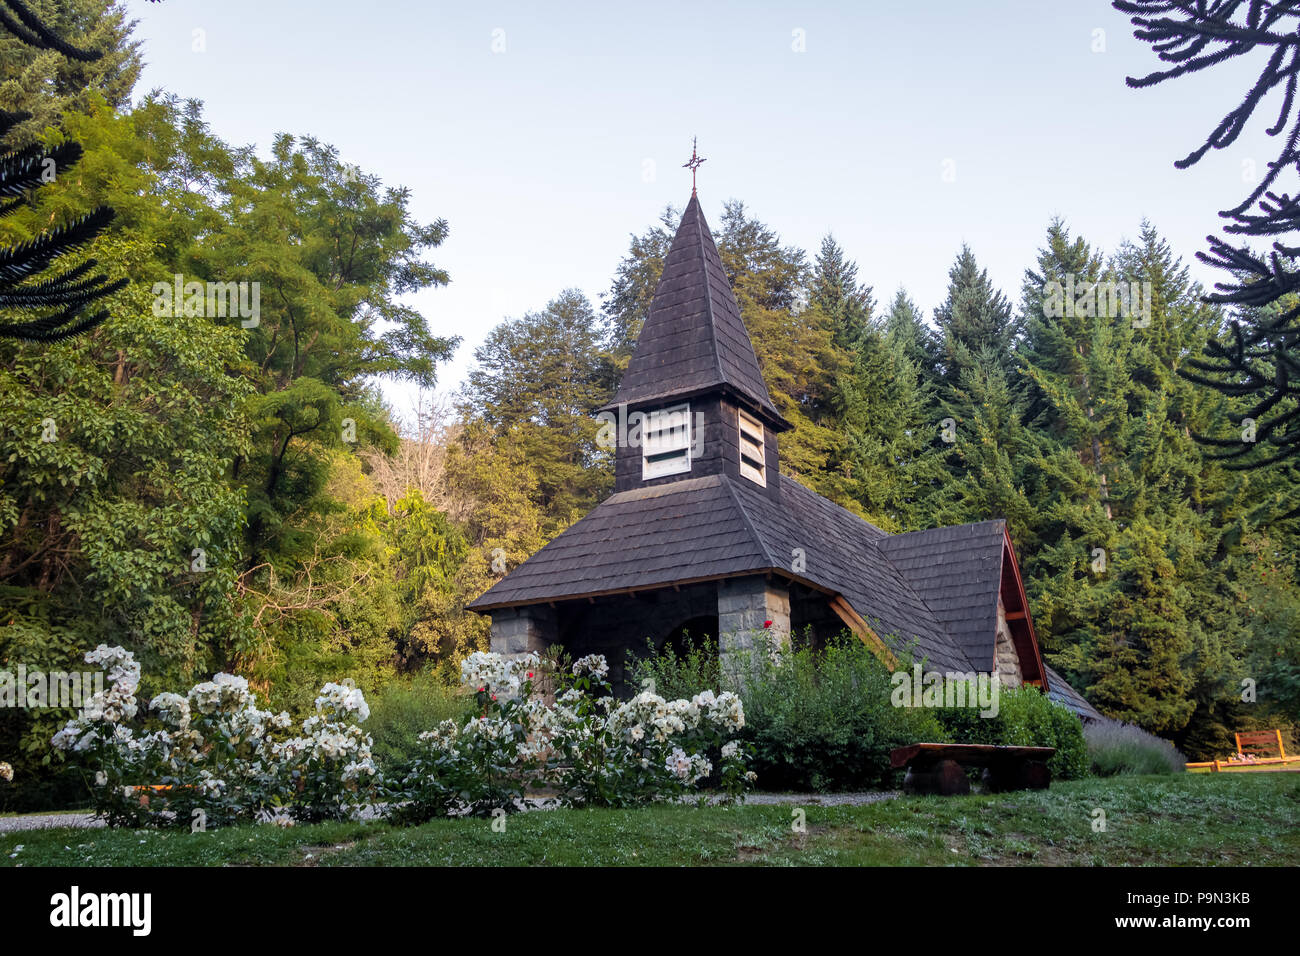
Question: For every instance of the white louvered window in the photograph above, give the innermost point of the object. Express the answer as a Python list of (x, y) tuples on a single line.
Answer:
[(666, 442), (753, 463)]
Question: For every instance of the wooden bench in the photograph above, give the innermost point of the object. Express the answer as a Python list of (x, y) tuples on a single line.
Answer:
[(1250, 744), (941, 768)]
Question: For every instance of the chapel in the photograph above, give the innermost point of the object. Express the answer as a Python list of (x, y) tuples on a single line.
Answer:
[(704, 536)]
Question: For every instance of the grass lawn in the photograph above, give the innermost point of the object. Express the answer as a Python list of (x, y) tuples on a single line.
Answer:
[(1218, 820)]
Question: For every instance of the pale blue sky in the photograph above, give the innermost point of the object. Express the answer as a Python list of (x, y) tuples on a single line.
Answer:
[(537, 155)]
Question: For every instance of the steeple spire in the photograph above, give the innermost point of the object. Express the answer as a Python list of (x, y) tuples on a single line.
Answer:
[(693, 340)]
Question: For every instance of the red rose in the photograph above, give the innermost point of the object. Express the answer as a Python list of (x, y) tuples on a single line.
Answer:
[(767, 623), (530, 675)]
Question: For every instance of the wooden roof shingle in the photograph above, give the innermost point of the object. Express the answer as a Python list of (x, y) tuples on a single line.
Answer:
[(714, 527), (694, 339), (957, 572)]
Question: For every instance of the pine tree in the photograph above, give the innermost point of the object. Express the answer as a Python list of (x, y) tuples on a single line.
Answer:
[(835, 291), (974, 323), (46, 82), (905, 330), (793, 339), (887, 464), (625, 307), (53, 306), (537, 385), (977, 413), (1259, 359)]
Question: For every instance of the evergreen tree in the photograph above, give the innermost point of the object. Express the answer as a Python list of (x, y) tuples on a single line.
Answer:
[(886, 465), (977, 415), (793, 339), (626, 305), (45, 79), (538, 383), (1259, 358), (974, 323), (905, 330), (41, 74), (835, 291)]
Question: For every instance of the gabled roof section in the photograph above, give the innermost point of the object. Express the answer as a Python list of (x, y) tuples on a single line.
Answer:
[(842, 553), (647, 537), (694, 340), (713, 527), (957, 572)]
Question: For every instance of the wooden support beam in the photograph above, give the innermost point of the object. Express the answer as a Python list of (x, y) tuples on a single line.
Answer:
[(1015, 615), (858, 626)]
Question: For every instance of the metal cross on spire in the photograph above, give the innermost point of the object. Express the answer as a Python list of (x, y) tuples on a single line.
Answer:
[(694, 163)]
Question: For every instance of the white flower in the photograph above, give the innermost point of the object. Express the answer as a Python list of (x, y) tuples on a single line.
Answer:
[(6, 773), (209, 785), (342, 700), (498, 674), (729, 749), (67, 738), (700, 768), (679, 764), (225, 692), (121, 665), (593, 664), (173, 708)]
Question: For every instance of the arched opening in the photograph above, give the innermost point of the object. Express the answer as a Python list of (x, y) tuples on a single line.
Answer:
[(699, 633)]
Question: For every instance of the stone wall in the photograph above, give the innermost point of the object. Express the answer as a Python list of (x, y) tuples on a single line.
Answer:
[(1006, 660), (524, 629), (744, 606)]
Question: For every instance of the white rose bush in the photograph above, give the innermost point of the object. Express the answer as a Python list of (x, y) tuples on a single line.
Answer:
[(213, 755), (586, 748), (489, 758)]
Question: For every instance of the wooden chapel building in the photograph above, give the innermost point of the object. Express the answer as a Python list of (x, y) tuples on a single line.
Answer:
[(703, 534)]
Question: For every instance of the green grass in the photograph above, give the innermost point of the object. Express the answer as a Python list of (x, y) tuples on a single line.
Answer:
[(1223, 820)]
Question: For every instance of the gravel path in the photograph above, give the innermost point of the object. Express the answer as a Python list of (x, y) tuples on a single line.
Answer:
[(45, 821), (823, 799)]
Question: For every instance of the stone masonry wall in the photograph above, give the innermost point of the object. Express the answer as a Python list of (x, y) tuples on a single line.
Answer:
[(744, 605), (1006, 660)]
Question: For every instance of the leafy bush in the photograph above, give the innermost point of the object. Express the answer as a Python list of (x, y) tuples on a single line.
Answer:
[(1026, 717), (1119, 748), (587, 748), (221, 759), (404, 709), (823, 720)]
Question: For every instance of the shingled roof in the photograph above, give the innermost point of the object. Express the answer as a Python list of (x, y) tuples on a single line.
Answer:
[(714, 527), (956, 571), (694, 340)]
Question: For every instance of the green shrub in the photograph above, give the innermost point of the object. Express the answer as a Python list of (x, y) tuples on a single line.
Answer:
[(1119, 748), (403, 709), (1026, 718), (823, 720)]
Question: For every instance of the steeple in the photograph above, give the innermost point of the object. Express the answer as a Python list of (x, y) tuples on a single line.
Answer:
[(694, 341)]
